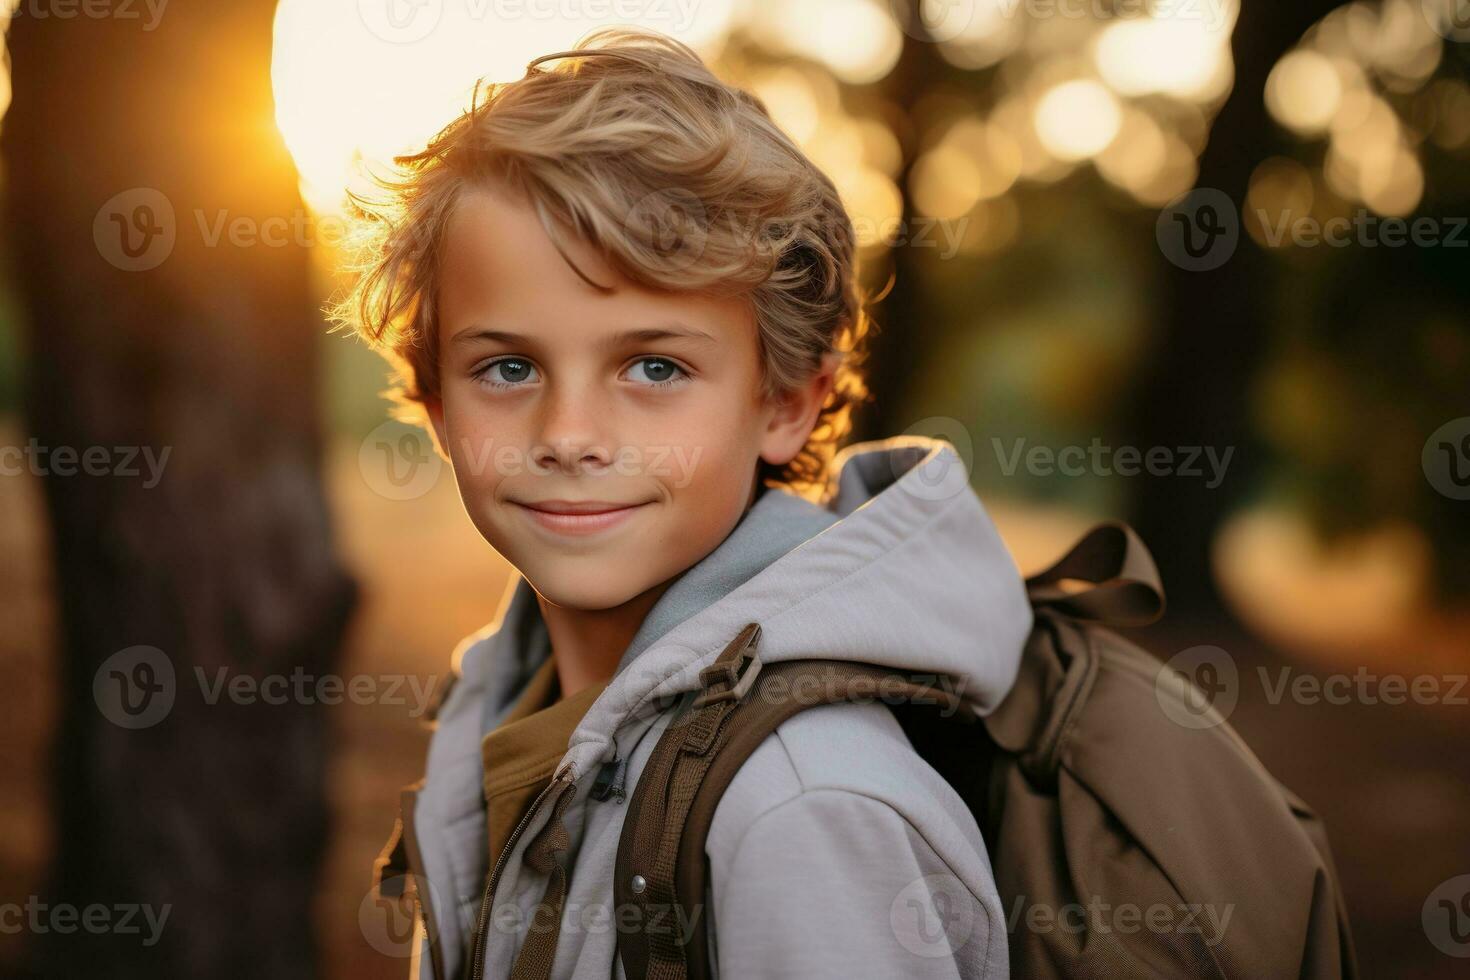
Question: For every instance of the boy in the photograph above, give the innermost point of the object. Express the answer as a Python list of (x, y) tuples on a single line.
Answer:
[(626, 304)]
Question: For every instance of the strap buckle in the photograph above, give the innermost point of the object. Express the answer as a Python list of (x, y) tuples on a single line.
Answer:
[(734, 671)]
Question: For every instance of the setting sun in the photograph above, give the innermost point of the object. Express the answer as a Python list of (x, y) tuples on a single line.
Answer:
[(359, 81)]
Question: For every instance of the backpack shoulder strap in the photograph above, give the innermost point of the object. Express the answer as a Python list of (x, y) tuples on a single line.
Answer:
[(661, 861), (1118, 581)]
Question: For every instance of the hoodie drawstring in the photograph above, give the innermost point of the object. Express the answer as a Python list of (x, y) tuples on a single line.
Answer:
[(537, 953)]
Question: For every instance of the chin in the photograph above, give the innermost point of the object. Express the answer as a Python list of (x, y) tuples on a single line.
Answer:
[(586, 589)]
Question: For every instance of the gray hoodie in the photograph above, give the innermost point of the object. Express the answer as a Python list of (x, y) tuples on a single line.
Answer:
[(836, 851)]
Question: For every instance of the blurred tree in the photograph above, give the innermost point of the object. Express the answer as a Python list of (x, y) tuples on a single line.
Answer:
[(167, 312), (905, 329), (1377, 362), (1194, 390), (1196, 378)]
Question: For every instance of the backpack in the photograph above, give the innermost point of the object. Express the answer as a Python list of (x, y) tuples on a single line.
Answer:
[(1086, 793)]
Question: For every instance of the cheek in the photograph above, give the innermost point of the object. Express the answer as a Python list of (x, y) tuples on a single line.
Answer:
[(725, 420), (713, 465), (476, 438)]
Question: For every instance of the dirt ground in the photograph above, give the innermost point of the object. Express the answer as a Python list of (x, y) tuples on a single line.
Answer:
[(1392, 781)]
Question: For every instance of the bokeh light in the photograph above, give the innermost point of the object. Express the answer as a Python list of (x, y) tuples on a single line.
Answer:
[(1363, 79), (858, 41), (1077, 119), (1303, 92), (1183, 57)]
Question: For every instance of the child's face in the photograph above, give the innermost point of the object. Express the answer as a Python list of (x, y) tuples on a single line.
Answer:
[(641, 404)]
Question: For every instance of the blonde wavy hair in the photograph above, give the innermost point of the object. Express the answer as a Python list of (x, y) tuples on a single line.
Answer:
[(683, 182)]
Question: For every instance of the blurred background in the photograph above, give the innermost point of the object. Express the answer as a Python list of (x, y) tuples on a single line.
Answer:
[(1196, 264)]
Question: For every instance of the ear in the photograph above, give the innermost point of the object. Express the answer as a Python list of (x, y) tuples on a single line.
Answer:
[(795, 413)]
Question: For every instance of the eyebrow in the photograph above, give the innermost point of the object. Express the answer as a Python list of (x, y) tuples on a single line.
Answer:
[(645, 335)]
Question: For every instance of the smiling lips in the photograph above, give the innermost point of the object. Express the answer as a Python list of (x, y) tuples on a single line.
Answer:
[(578, 516)]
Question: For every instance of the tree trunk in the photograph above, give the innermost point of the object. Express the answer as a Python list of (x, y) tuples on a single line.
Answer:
[(178, 356), (1195, 390), (905, 329)]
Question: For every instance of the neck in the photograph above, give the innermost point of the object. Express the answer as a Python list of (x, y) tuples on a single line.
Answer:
[(587, 644)]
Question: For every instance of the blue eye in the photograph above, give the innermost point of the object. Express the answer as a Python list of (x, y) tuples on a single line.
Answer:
[(656, 371), (507, 372)]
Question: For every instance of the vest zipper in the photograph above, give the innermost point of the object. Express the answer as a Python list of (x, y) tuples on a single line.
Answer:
[(482, 925)]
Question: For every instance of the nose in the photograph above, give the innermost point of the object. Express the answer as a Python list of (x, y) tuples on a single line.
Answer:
[(571, 434)]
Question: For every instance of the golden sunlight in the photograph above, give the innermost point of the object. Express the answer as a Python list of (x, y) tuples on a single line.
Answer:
[(359, 81)]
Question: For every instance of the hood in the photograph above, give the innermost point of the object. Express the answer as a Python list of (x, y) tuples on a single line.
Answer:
[(902, 567)]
